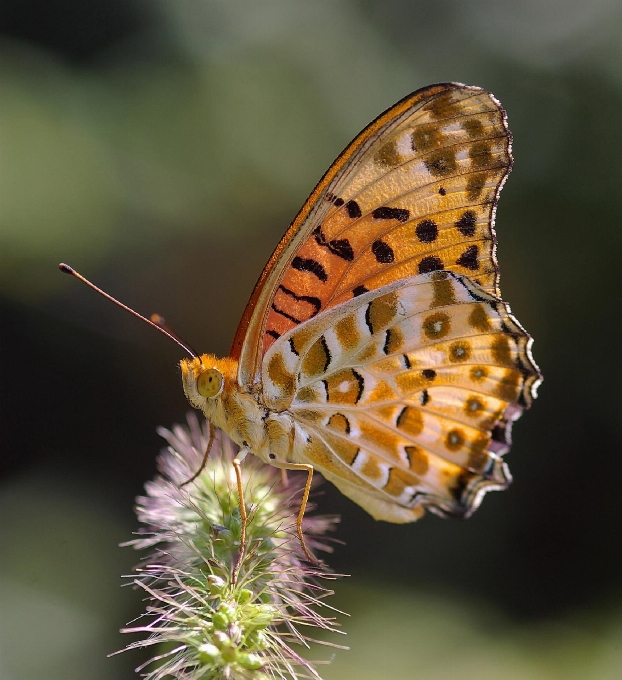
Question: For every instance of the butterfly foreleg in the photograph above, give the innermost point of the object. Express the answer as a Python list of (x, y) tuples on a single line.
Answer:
[(243, 516), (303, 505), (208, 448)]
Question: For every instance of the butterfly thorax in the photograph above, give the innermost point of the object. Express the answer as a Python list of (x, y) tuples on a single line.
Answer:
[(238, 410)]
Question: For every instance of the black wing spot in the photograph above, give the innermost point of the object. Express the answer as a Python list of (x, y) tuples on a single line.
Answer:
[(466, 224), (428, 374), (293, 319), (407, 363), (368, 319), (353, 209), (469, 258), (338, 202), (442, 191), (293, 347), (386, 213), (431, 263), (382, 252), (339, 421), (401, 416), (274, 334), (315, 302), (387, 341), (329, 358), (340, 247), (427, 231), (359, 290), (424, 398), (361, 383), (308, 265)]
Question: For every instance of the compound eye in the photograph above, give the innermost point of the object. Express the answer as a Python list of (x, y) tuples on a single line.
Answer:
[(210, 383)]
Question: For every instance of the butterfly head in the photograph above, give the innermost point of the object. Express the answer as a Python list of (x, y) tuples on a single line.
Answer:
[(206, 378)]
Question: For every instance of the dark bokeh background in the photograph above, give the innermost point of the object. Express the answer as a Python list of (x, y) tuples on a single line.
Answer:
[(162, 148)]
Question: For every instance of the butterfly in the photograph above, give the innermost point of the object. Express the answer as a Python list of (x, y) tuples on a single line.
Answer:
[(375, 348)]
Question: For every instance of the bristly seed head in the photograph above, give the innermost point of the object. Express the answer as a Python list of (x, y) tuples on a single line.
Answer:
[(216, 626)]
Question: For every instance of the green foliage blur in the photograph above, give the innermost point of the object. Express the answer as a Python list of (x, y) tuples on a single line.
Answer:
[(162, 148)]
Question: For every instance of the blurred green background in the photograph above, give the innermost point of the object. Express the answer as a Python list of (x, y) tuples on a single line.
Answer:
[(162, 147)]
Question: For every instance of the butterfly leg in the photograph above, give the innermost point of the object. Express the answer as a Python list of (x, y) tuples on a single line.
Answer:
[(303, 504), (205, 457), (243, 516)]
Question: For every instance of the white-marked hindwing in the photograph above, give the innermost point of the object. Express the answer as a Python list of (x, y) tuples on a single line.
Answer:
[(404, 396)]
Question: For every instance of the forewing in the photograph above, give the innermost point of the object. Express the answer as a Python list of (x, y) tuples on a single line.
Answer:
[(415, 192), (404, 396)]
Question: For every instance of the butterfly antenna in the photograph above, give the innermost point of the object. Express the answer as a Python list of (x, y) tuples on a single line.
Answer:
[(66, 269), (160, 322)]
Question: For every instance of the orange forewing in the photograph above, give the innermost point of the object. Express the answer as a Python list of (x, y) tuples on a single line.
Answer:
[(415, 192)]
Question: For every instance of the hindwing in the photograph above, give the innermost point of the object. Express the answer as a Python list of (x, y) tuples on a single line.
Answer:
[(404, 396)]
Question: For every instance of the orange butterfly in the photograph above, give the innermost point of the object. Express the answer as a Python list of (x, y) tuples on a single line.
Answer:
[(375, 347)]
